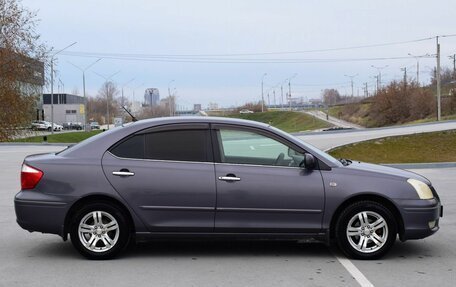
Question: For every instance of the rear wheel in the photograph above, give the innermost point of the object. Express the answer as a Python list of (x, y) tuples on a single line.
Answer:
[(100, 231), (366, 230)]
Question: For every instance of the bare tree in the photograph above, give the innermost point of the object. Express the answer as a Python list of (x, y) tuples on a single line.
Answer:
[(107, 101), (21, 67), (331, 96)]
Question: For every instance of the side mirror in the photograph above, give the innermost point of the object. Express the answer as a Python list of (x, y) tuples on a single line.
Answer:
[(309, 161)]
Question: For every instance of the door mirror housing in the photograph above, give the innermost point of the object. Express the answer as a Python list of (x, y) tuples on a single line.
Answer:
[(309, 161)]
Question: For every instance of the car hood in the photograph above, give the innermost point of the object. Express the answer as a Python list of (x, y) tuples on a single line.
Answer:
[(386, 170)]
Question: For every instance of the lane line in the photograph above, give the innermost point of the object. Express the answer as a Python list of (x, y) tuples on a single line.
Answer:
[(354, 271)]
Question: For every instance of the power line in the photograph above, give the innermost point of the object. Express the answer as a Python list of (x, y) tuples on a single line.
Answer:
[(275, 53), (239, 61)]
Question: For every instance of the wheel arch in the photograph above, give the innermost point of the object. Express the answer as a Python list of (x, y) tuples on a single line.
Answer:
[(95, 198), (371, 197)]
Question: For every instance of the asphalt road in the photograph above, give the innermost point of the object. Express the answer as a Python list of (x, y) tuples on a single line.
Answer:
[(327, 140), (33, 259)]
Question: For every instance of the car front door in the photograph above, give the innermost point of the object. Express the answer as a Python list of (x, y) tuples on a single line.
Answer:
[(166, 174), (261, 186)]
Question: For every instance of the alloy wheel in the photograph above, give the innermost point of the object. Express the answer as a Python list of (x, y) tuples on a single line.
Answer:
[(98, 231), (367, 231)]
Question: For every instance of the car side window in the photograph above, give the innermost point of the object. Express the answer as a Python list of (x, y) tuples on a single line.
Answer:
[(132, 147), (245, 147), (179, 145)]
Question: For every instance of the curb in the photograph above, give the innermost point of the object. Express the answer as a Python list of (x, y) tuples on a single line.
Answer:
[(421, 165), (306, 133)]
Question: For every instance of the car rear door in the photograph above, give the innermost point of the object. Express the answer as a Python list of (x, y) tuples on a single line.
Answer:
[(260, 186), (166, 174)]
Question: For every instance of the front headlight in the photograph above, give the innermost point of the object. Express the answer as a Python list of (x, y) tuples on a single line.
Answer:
[(423, 190)]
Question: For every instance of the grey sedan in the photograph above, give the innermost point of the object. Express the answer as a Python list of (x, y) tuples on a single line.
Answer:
[(216, 177)]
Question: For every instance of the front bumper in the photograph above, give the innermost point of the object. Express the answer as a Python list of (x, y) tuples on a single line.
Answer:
[(420, 218), (36, 211)]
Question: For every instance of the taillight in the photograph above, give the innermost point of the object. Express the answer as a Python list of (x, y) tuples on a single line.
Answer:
[(30, 176)]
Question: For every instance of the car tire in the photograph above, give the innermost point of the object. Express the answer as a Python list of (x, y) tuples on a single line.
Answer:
[(366, 230), (49, 129), (100, 230)]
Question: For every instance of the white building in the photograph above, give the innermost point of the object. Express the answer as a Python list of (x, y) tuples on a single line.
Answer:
[(67, 108)]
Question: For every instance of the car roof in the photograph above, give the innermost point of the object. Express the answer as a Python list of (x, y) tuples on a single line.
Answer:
[(197, 119)]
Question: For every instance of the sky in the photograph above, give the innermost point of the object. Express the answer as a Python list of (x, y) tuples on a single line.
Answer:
[(218, 51)]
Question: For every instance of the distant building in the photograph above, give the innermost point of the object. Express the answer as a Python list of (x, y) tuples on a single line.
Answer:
[(316, 101), (67, 108), (197, 107), (151, 97), (212, 106)]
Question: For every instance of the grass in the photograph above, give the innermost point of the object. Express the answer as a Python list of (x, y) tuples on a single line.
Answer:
[(433, 119), (286, 120), (416, 148), (356, 113), (70, 137)]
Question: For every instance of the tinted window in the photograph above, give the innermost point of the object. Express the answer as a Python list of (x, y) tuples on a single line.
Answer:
[(130, 148), (180, 145), (244, 147)]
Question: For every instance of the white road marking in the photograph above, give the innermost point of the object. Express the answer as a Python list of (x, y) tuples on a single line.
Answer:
[(351, 268)]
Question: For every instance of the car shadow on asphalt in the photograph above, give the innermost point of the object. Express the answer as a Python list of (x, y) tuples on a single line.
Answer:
[(197, 249), (225, 248), (208, 248)]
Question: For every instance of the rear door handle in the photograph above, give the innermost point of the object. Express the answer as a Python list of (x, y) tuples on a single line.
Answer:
[(229, 178), (123, 173)]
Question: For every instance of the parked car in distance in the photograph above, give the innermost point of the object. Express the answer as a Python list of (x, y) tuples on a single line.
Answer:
[(203, 177), (39, 125), (94, 126), (45, 126), (73, 126), (57, 127), (245, 111)]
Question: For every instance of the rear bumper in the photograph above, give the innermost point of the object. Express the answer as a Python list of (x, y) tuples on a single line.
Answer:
[(40, 212), (420, 218)]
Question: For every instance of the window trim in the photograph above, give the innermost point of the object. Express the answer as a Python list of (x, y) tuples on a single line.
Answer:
[(170, 127)]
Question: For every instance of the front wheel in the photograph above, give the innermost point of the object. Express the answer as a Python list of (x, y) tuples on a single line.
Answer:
[(99, 231), (366, 230)]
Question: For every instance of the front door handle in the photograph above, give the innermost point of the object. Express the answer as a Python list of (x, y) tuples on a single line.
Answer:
[(229, 177), (123, 172)]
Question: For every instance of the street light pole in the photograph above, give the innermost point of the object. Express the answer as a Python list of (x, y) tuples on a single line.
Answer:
[(262, 91), (169, 98), (453, 57), (351, 81), (438, 80), (83, 70), (417, 58), (289, 92), (281, 96), (107, 93), (52, 84), (289, 86), (379, 77), (122, 100)]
